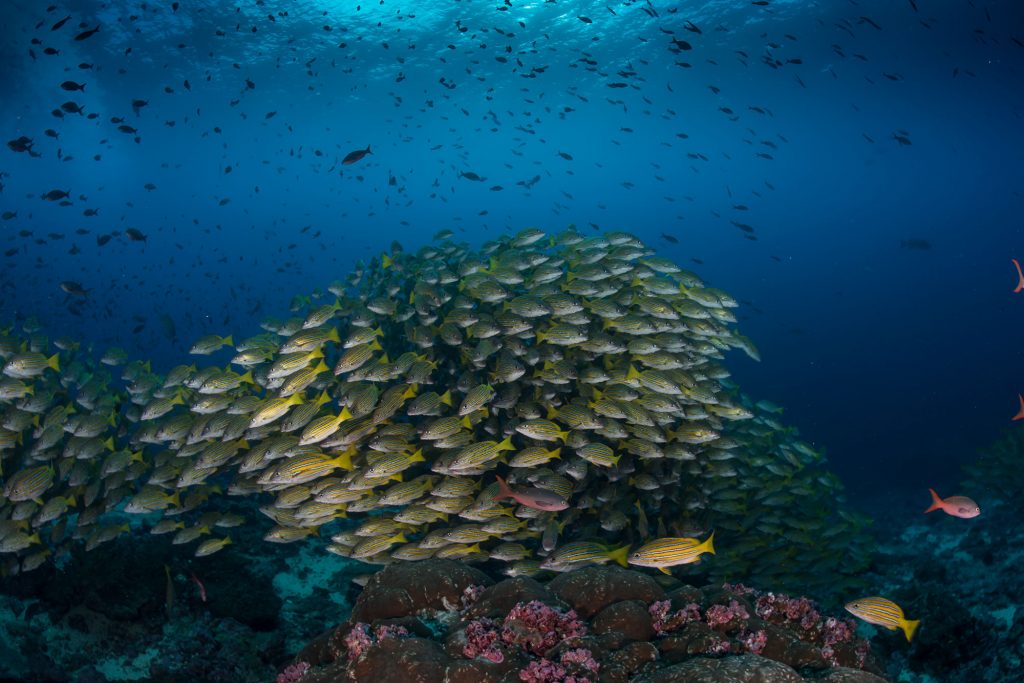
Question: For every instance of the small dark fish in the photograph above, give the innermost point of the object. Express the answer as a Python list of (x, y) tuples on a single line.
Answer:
[(51, 51), (135, 235), (353, 157), (137, 105), (867, 20), (22, 144), (469, 175), (60, 23), (565, 155), (74, 288), (72, 108), (55, 195), (586, 20), (914, 243), (669, 238), (102, 239), (51, 133), (8, 215), (87, 34), (72, 86)]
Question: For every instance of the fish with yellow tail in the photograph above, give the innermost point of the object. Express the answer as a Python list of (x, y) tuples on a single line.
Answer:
[(882, 612), (663, 553)]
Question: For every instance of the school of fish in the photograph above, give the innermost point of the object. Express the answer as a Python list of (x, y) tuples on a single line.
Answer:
[(547, 402)]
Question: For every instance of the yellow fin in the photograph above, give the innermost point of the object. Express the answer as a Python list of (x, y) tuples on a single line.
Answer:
[(619, 555)]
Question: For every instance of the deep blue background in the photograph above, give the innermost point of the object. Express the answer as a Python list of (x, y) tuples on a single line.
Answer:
[(901, 362)]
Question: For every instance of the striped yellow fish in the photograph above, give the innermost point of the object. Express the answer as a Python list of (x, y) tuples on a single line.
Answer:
[(885, 613), (29, 484), (30, 364), (669, 552)]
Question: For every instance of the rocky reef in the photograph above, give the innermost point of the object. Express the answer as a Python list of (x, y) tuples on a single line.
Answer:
[(440, 620)]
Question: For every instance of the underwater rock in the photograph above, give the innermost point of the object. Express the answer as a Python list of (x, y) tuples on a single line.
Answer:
[(591, 589), (844, 675), (404, 589), (404, 660), (500, 598), (742, 669), (519, 630), (631, 618)]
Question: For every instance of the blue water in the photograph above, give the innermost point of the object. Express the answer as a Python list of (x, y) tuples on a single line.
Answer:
[(900, 362)]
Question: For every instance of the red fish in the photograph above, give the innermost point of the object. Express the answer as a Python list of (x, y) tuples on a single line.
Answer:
[(958, 506), (1020, 413), (202, 588), (538, 499), (353, 157), (1020, 277)]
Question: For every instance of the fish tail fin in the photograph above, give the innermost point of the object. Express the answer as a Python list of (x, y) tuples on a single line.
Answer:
[(385, 261), (54, 362), (228, 340), (936, 502), (1020, 413), (909, 626), (619, 555), (708, 546), (503, 489), (368, 150), (446, 398)]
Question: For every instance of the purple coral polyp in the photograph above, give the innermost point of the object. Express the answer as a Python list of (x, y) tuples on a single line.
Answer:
[(361, 637), (666, 621), (572, 667), (293, 672), (721, 615), (537, 627)]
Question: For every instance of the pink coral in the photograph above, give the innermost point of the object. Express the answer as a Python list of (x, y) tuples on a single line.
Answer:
[(361, 638), (572, 667), (390, 631), (482, 640), (293, 672), (580, 657), (537, 627), (754, 641), (726, 616), (837, 631), (542, 671), (666, 622), (776, 607), (358, 640)]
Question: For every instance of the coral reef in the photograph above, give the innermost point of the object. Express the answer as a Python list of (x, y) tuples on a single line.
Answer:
[(595, 624)]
